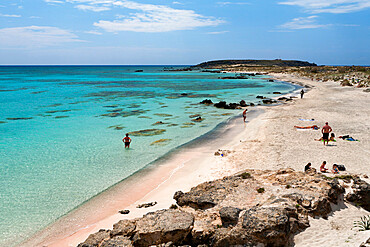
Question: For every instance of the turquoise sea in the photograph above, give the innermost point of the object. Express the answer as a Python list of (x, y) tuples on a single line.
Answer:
[(61, 130)]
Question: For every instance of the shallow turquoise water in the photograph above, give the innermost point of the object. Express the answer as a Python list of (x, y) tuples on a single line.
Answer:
[(61, 129)]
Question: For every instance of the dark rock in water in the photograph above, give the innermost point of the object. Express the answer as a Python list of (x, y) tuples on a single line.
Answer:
[(163, 226), (146, 205), (184, 94), (271, 80), (260, 97), (251, 104), (282, 98), (242, 103), (276, 92), (126, 211), (224, 105), (207, 102), (360, 194), (221, 104), (268, 101), (118, 241), (96, 238), (229, 216), (139, 70), (198, 119)]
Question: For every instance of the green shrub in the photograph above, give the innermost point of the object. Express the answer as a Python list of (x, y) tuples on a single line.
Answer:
[(363, 224), (245, 175), (261, 190)]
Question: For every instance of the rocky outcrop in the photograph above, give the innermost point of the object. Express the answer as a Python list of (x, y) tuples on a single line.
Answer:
[(360, 194), (163, 226), (95, 239), (232, 212)]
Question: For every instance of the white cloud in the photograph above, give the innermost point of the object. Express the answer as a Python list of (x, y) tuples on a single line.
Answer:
[(156, 18), (302, 23), (12, 16), (219, 32), (94, 32), (54, 1), (92, 8), (38, 36), (233, 3), (330, 6)]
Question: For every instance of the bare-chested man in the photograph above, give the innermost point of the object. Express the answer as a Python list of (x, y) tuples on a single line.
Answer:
[(325, 133)]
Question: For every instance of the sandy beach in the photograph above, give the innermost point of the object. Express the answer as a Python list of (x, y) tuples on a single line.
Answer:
[(267, 141)]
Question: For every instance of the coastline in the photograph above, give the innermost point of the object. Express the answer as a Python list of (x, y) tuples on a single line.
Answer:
[(266, 142), (181, 169)]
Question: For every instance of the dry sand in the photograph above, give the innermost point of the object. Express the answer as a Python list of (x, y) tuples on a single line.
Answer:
[(268, 141)]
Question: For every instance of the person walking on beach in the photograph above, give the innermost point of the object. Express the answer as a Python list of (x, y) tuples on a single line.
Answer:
[(302, 92), (127, 140), (244, 115), (325, 133)]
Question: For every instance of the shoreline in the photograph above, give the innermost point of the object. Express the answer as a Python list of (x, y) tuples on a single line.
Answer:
[(166, 169), (263, 143)]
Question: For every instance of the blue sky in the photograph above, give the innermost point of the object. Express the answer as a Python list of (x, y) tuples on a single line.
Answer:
[(335, 32)]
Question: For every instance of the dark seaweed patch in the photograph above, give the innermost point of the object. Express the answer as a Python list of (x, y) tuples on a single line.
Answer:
[(54, 105), (147, 132), (58, 111), (61, 116), (19, 118), (124, 113)]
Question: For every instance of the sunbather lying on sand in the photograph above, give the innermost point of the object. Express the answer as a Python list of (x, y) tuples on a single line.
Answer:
[(331, 139), (315, 127)]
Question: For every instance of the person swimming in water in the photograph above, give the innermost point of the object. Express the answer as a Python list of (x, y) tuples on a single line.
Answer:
[(127, 140)]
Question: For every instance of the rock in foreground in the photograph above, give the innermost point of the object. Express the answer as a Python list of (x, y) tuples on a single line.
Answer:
[(248, 209)]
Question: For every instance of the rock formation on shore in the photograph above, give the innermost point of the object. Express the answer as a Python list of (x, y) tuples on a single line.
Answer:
[(265, 208)]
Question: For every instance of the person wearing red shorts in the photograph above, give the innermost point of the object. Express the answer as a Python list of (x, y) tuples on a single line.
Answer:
[(127, 140)]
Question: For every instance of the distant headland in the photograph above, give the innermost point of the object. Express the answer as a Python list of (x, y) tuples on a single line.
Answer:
[(254, 63)]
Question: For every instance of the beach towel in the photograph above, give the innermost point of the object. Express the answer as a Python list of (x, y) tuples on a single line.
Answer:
[(302, 119), (351, 139)]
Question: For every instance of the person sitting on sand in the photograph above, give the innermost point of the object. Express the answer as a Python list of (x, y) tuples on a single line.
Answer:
[(315, 127), (127, 140), (331, 139), (323, 168), (325, 133), (244, 115), (307, 167), (335, 169)]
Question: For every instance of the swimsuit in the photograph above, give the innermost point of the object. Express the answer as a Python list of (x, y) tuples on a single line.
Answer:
[(325, 136)]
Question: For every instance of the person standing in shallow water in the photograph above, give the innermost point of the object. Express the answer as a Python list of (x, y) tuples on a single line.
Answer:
[(325, 133), (244, 115), (127, 140), (302, 92)]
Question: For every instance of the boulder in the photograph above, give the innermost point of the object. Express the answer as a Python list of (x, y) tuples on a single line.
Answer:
[(271, 226), (95, 239), (360, 194), (118, 241), (123, 227), (163, 226), (229, 216), (242, 103)]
